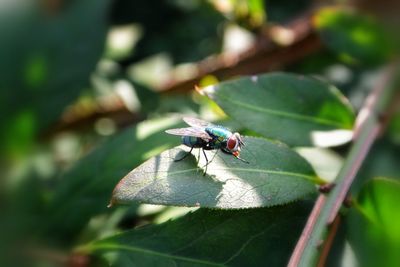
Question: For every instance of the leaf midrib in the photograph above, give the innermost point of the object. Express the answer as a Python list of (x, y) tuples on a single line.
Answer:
[(284, 114), (314, 179)]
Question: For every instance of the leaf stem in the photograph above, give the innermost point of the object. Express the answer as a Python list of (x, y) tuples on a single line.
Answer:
[(368, 125)]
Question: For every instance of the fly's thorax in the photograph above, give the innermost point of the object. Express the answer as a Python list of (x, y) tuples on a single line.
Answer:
[(219, 136), (219, 132)]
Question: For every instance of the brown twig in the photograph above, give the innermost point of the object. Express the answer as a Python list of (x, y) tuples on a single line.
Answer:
[(305, 235), (329, 242), (265, 55), (79, 118), (369, 109), (369, 124)]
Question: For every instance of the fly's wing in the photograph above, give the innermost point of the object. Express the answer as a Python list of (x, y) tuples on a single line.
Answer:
[(190, 131), (197, 123)]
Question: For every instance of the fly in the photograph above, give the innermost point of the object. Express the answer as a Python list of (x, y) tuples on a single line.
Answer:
[(207, 136)]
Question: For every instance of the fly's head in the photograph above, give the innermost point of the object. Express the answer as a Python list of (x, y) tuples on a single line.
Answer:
[(234, 144)]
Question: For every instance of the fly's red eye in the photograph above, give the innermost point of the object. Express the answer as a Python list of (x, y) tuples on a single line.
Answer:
[(232, 143)]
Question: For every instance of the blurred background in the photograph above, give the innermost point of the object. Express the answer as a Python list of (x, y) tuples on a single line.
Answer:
[(88, 86)]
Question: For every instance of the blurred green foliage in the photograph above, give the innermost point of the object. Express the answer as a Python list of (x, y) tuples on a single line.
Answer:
[(81, 106), (356, 37), (47, 57), (85, 191), (372, 230), (186, 30)]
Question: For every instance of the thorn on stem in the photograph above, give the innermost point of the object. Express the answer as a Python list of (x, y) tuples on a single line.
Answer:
[(382, 117), (326, 188), (319, 244), (348, 201)]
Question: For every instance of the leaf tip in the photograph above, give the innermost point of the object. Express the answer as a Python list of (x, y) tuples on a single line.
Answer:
[(198, 89), (205, 91), (112, 200)]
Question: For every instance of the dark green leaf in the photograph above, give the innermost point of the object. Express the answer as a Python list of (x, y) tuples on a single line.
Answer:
[(394, 128), (353, 35), (254, 237), (282, 11), (373, 228), (275, 175), (291, 108)]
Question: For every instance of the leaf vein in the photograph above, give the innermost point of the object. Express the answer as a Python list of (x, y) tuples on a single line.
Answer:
[(150, 252), (299, 175), (284, 114), (245, 244)]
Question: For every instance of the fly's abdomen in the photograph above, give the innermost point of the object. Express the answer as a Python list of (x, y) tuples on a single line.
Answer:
[(192, 141)]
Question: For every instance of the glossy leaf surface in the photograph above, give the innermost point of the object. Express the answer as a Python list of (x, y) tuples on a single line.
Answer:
[(294, 109), (274, 176), (254, 237)]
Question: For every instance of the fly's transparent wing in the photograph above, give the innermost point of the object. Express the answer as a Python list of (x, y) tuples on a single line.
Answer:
[(190, 131), (197, 123)]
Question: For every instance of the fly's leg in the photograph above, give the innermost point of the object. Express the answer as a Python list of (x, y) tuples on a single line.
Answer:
[(198, 160), (214, 155), (204, 153), (208, 162), (198, 156), (187, 154)]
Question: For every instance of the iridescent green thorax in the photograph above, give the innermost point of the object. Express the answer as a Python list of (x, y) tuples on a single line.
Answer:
[(220, 136)]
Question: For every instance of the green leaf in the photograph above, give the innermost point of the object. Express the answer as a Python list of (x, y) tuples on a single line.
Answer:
[(325, 162), (394, 127), (372, 226), (382, 161), (85, 189), (294, 109), (253, 237), (354, 36), (378, 201), (282, 11), (275, 175)]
